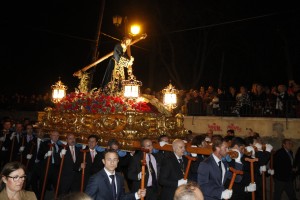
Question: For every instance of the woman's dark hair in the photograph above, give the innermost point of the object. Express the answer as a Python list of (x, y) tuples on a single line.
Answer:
[(9, 168)]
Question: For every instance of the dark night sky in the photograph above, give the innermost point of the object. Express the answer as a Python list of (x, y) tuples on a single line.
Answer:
[(42, 40)]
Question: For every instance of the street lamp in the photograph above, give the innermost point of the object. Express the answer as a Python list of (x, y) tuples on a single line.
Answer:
[(135, 29), (58, 91)]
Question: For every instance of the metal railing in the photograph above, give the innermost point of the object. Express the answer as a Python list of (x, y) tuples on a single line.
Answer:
[(254, 109)]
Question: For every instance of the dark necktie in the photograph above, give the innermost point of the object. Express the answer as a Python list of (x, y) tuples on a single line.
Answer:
[(113, 186), (53, 152), (291, 157), (220, 167), (152, 171), (181, 165)]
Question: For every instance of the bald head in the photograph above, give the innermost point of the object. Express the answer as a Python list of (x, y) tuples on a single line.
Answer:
[(178, 147), (189, 191)]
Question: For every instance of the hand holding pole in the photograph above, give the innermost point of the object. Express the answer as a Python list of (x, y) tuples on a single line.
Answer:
[(252, 160), (190, 159), (60, 170)]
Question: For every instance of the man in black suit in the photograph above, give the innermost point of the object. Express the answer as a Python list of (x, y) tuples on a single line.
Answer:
[(109, 185), (46, 151), (35, 174), (70, 179), (93, 162), (284, 172), (172, 170), (213, 172), (152, 170), (5, 142), (124, 160)]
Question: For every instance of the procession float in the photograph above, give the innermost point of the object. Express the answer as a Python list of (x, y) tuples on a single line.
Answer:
[(123, 114)]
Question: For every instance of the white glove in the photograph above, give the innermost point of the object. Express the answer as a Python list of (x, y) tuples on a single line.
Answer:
[(12, 136), (29, 156), (162, 143), (226, 194), (251, 150), (269, 148), (250, 188), (2, 139), (140, 176), (63, 142), (3, 149), (238, 159), (271, 171), (83, 146), (182, 182), (21, 148), (207, 139), (193, 154), (63, 152), (262, 169), (258, 146), (49, 153)]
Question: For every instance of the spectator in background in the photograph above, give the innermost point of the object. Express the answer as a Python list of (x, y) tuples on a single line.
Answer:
[(230, 132), (243, 103), (195, 104), (281, 100)]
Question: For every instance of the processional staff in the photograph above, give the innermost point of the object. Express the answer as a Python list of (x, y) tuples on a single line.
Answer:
[(30, 152), (190, 159), (82, 172), (60, 169), (21, 153), (46, 172), (234, 173), (144, 163), (252, 160), (12, 147)]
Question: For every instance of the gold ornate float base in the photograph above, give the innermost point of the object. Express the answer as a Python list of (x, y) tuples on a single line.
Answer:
[(128, 127)]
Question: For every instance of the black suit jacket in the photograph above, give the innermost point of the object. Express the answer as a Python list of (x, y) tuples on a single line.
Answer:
[(170, 173), (99, 187), (44, 148), (283, 168), (91, 167), (209, 178), (70, 179), (135, 168)]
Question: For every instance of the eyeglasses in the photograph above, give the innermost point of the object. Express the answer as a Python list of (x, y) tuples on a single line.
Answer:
[(16, 178)]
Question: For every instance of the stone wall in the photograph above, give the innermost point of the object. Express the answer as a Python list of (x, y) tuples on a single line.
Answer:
[(272, 130)]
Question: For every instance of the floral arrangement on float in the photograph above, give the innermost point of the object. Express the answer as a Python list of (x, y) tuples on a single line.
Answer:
[(99, 103)]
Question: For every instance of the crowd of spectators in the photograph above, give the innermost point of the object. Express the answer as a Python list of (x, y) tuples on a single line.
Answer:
[(23, 102), (257, 101)]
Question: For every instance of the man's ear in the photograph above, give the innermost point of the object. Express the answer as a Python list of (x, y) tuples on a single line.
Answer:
[(103, 161)]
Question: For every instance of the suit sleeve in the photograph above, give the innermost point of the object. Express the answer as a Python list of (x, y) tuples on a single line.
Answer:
[(42, 151), (165, 174), (208, 186), (92, 187), (134, 169)]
